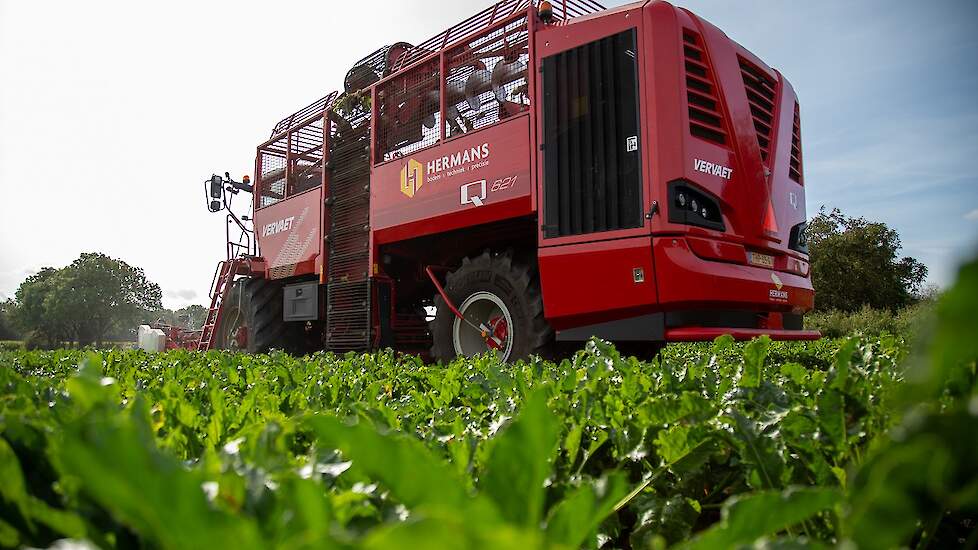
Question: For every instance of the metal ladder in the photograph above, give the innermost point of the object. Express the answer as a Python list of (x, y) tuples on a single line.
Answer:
[(220, 286)]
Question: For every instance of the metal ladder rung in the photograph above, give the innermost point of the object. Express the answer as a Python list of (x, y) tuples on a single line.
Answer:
[(222, 283)]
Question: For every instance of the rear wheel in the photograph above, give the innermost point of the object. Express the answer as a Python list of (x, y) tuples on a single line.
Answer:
[(500, 302)]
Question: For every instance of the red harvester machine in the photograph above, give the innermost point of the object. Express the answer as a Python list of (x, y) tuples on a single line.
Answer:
[(536, 174)]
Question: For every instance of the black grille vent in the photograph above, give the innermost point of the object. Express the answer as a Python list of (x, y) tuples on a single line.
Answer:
[(592, 156), (795, 170), (761, 94), (705, 114)]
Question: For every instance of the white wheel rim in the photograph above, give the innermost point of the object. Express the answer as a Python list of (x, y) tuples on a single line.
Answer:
[(482, 309)]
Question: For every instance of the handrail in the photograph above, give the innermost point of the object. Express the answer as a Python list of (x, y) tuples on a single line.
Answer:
[(210, 293), (300, 117), (485, 19)]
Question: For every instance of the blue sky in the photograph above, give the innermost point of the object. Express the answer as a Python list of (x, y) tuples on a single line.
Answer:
[(112, 113)]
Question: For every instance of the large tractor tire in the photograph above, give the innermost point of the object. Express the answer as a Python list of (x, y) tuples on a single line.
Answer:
[(253, 320), (503, 310), (230, 333)]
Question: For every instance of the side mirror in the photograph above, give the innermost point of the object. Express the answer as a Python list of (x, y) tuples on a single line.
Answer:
[(217, 187)]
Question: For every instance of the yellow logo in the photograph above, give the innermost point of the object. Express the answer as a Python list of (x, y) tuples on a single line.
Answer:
[(412, 178), (777, 281)]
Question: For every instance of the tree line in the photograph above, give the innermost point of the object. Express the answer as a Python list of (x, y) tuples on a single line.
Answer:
[(855, 263), (93, 300)]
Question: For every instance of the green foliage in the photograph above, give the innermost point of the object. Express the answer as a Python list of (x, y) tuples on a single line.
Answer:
[(856, 263), (7, 329), (31, 311), (191, 317), (855, 441), (745, 519), (83, 301), (384, 451), (924, 470), (350, 104), (11, 345), (908, 321)]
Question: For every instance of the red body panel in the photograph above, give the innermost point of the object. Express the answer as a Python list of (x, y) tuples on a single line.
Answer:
[(474, 179), (616, 279), (698, 283), (290, 233)]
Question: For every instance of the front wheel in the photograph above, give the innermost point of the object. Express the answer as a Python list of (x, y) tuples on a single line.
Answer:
[(501, 307), (252, 319), (231, 333)]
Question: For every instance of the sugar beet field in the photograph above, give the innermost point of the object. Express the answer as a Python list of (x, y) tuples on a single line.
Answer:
[(853, 442)]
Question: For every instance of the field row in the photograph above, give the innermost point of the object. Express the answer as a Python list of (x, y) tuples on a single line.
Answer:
[(722, 443)]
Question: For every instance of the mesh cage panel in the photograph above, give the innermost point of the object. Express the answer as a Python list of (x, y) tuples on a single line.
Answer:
[(486, 79), (486, 59), (291, 164), (563, 10), (272, 178), (566, 10), (408, 112), (301, 115), (306, 157)]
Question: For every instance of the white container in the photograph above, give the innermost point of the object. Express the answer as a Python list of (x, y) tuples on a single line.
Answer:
[(150, 339)]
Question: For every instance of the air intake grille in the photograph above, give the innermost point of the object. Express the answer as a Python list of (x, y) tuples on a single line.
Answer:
[(761, 94), (705, 115), (795, 170), (592, 156)]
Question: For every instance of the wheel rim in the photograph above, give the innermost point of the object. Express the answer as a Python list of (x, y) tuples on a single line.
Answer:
[(488, 326), (232, 337)]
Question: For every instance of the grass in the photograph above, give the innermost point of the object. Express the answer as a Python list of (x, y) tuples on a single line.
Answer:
[(872, 322), (11, 345)]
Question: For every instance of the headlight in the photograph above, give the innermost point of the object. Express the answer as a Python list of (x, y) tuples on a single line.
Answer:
[(693, 206)]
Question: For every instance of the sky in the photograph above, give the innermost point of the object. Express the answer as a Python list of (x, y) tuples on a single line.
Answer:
[(112, 114)]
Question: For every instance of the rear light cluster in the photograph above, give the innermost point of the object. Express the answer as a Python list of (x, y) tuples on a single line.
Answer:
[(761, 94), (705, 115), (692, 206), (795, 169)]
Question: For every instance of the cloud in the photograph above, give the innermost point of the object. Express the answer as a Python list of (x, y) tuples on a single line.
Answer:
[(972, 216), (186, 294)]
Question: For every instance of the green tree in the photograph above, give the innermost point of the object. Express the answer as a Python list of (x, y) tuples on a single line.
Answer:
[(31, 313), (856, 262), (164, 316), (86, 300), (191, 317), (7, 330)]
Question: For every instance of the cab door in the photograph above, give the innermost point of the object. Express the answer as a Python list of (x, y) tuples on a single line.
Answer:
[(595, 239)]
